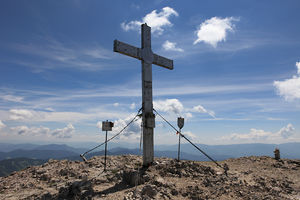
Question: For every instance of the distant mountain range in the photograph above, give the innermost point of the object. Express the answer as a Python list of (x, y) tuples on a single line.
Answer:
[(287, 150), (6, 147), (219, 152), (14, 157)]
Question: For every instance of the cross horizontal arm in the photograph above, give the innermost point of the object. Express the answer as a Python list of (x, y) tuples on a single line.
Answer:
[(127, 49), (162, 61)]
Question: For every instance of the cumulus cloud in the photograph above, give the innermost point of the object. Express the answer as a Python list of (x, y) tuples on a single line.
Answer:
[(286, 132), (171, 46), (156, 20), (176, 107), (214, 30), (2, 125), (132, 132), (201, 109), (258, 135), (30, 131), (66, 132), (289, 88), (168, 105), (21, 114)]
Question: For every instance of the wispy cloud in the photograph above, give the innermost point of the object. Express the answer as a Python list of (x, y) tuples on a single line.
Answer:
[(50, 53), (12, 98), (211, 89), (214, 30), (31, 116), (190, 135), (289, 88), (171, 46), (156, 20), (60, 99), (201, 109)]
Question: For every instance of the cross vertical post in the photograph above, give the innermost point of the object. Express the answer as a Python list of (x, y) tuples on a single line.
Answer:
[(147, 58), (148, 116)]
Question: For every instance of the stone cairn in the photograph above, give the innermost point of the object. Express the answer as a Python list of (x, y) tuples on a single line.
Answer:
[(277, 154)]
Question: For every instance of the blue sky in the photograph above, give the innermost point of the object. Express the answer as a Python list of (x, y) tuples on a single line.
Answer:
[(236, 76)]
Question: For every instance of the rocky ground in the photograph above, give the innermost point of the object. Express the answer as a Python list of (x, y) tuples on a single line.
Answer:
[(247, 178)]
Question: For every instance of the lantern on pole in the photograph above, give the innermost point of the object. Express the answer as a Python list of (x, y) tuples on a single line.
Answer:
[(180, 124), (106, 126)]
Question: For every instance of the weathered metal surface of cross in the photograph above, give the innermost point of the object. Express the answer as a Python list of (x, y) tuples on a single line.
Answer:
[(148, 58)]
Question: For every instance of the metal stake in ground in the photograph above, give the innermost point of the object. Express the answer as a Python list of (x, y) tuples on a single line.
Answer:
[(148, 58), (106, 126), (180, 123)]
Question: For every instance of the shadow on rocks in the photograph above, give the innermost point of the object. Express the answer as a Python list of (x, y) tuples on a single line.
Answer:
[(77, 190)]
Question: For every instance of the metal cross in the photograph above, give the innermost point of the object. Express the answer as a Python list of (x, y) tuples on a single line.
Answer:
[(148, 58)]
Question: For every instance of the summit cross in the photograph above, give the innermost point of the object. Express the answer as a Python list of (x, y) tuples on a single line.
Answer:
[(148, 58)]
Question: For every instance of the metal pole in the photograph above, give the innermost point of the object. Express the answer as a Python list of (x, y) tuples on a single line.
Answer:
[(105, 151), (179, 136)]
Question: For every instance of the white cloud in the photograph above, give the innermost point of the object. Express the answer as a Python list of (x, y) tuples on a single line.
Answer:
[(21, 114), (188, 115), (65, 117), (157, 21), (97, 52), (171, 46), (2, 125), (255, 134), (298, 66), (12, 98), (214, 30), (176, 107), (66, 132), (189, 135), (287, 131), (201, 109), (30, 131), (289, 88), (132, 133), (258, 135), (116, 104), (168, 105)]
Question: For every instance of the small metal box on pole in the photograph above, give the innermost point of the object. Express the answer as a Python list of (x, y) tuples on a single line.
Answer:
[(180, 124), (106, 126)]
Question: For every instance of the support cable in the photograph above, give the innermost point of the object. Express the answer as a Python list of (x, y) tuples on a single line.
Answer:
[(82, 155), (179, 132)]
